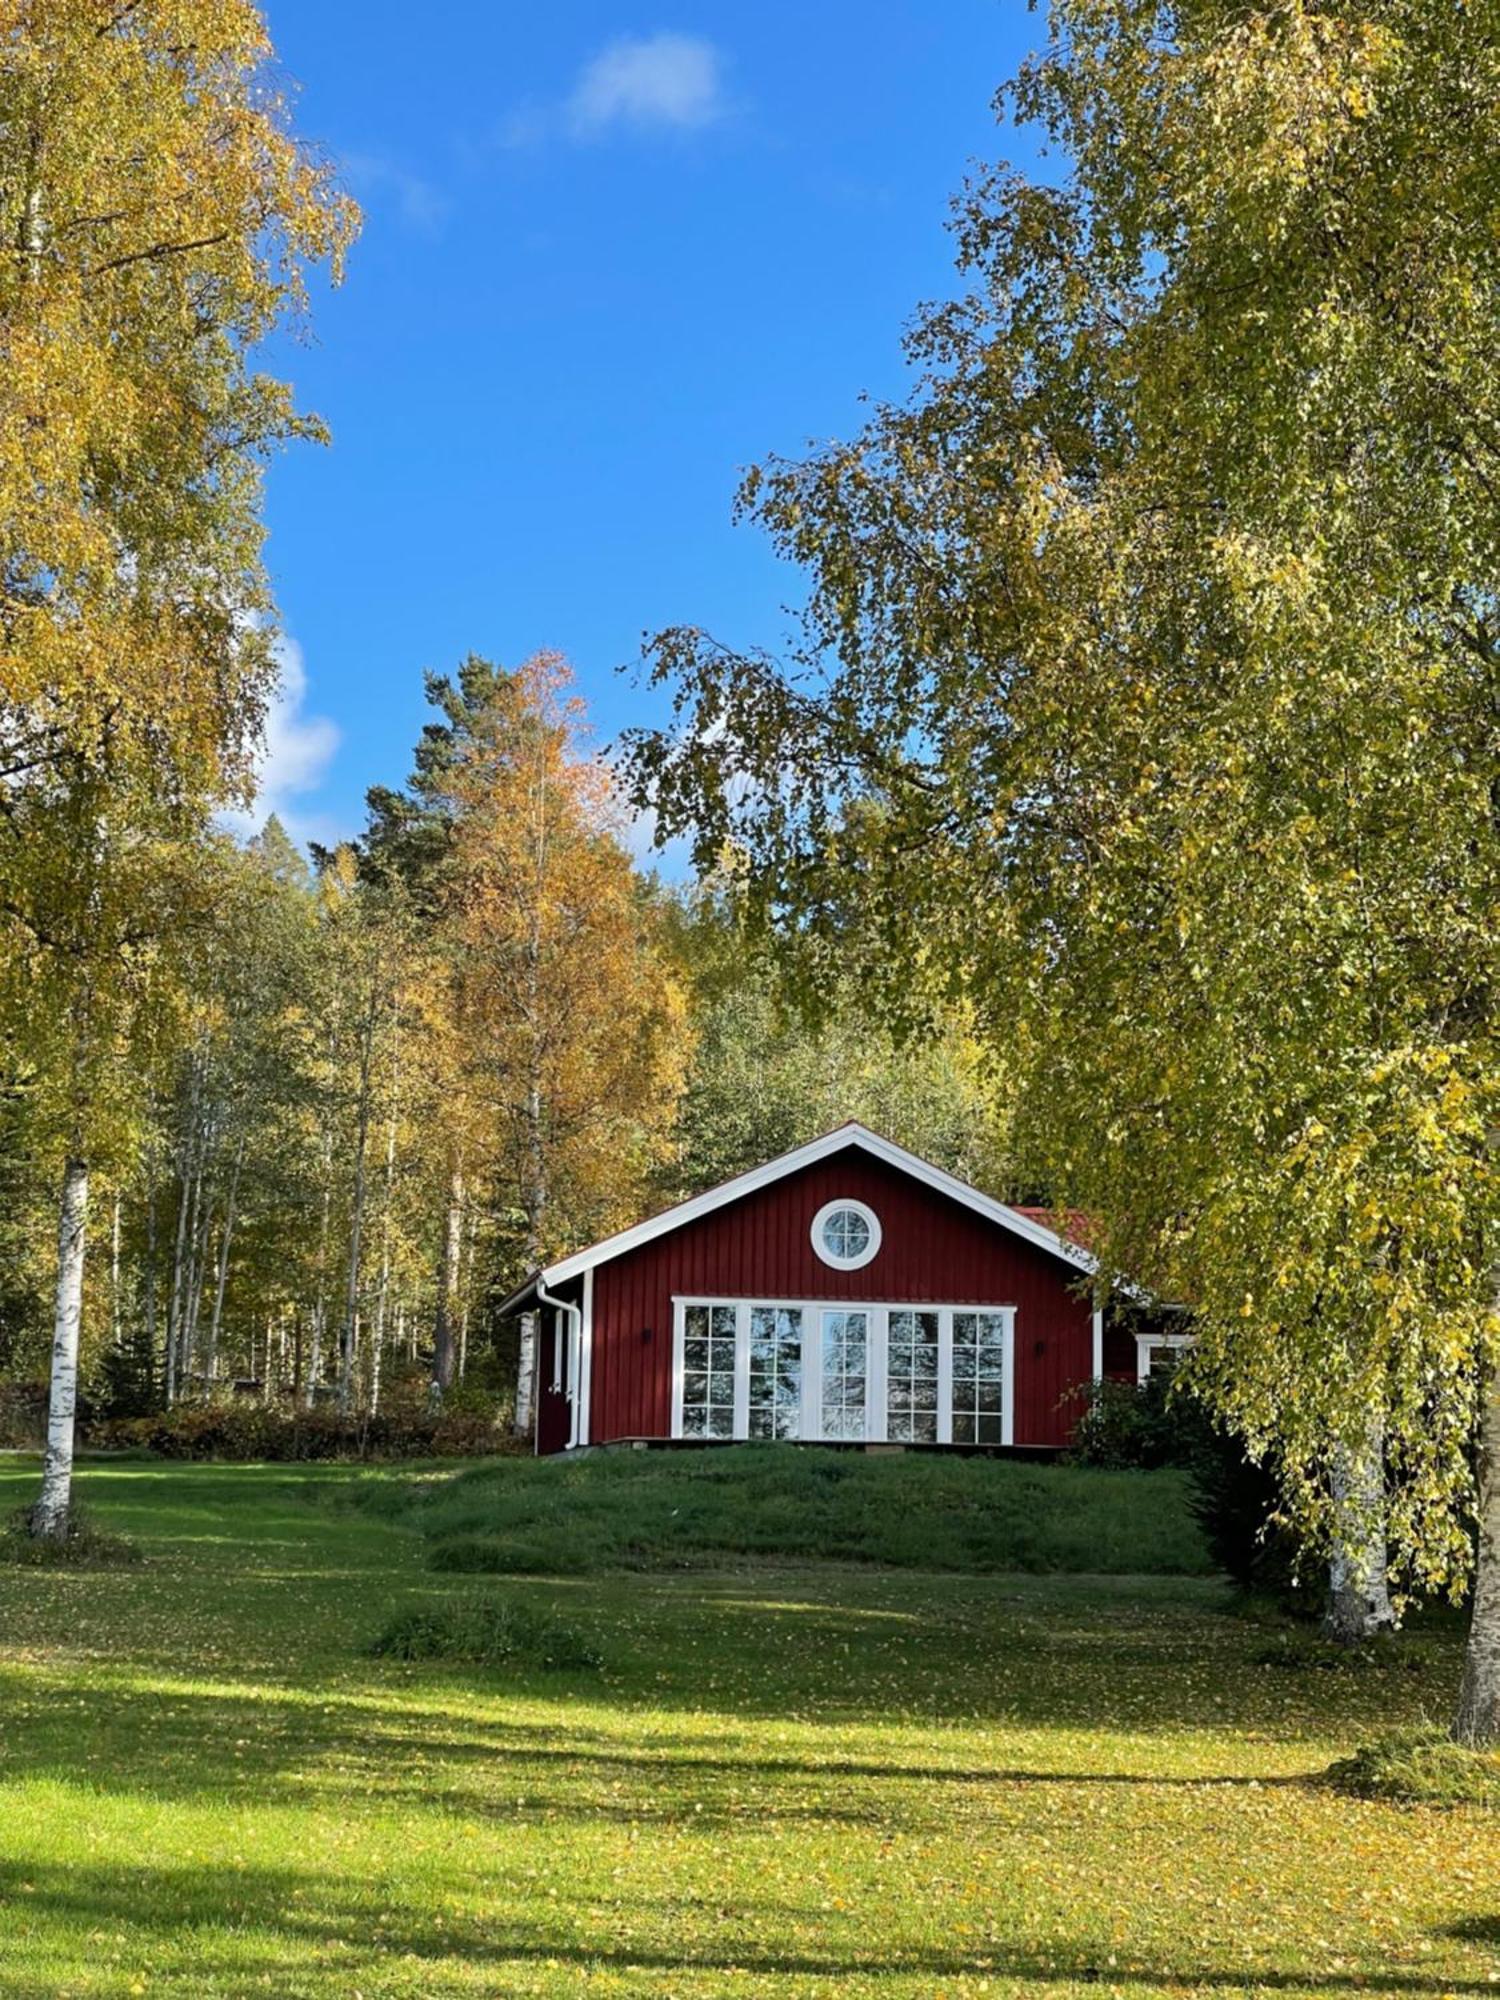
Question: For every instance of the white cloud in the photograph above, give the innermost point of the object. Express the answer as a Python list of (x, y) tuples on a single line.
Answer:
[(649, 81), (375, 178), (298, 751)]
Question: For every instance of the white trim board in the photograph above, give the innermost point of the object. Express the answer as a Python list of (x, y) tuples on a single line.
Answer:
[(846, 1136)]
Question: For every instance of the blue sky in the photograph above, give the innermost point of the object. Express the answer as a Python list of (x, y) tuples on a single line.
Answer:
[(611, 256)]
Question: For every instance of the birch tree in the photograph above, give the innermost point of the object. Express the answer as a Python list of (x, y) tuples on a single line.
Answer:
[(158, 216), (1159, 629)]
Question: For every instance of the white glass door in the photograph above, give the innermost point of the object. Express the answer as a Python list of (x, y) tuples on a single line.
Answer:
[(845, 1371)]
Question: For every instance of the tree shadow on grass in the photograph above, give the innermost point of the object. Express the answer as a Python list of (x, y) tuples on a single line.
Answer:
[(188, 1743), (290, 1929), (1476, 1930)]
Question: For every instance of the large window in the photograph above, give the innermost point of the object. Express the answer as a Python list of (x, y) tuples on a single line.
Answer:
[(846, 1359), (902, 1374), (912, 1358), (775, 1374), (978, 1378), (708, 1367)]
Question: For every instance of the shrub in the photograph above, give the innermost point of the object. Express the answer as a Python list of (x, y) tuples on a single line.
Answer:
[(538, 1554), (1234, 1501), (1160, 1423), (251, 1432), (1129, 1427), (23, 1415), (489, 1631), (1421, 1766), (82, 1547)]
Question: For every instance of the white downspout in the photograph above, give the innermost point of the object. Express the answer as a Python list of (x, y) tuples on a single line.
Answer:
[(575, 1353)]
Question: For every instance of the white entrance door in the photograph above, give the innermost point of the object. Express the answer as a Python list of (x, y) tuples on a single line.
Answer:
[(846, 1360)]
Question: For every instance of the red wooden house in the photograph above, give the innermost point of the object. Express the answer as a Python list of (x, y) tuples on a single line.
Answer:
[(846, 1292)]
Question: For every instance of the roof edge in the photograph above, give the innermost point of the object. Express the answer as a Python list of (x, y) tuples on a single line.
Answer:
[(850, 1134)]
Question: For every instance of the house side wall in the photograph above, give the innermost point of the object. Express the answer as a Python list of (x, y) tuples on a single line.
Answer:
[(554, 1415), (933, 1251)]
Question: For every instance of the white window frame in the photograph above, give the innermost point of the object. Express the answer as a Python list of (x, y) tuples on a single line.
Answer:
[(871, 1221), (1144, 1342), (876, 1376)]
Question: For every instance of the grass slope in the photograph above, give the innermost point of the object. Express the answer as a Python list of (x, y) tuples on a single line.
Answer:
[(801, 1781), (668, 1510)]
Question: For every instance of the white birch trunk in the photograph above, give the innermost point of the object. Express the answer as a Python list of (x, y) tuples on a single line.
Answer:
[(383, 1291), (51, 1514), (320, 1307), (526, 1375), (211, 1366), (1477, 1722), (187, 1183), (348, 1332), (1359, 1603), (536, 1191), (149, 1282), (197, 1265), (377, 1350), (114, 1274), (443, 1355)]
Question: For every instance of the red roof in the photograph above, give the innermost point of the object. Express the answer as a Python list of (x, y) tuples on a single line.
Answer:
[(1079, 1228)]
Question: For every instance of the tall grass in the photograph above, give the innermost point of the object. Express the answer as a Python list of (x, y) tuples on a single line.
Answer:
[(665, 1510)]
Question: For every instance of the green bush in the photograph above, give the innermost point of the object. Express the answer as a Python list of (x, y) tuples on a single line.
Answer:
[(1421, 1767), (1126, 1426), (1234, 1502), (252, 1433), (82, 1547), (489, 1631), (23, 1415), (540, 1554)]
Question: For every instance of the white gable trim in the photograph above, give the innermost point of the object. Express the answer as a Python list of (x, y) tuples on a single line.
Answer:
[(806, 1156)]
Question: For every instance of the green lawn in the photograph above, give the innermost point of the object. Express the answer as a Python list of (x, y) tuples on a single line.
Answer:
[(787, 1780)]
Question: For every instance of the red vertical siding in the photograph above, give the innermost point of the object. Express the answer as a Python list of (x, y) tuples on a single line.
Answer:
[(933, 1251)]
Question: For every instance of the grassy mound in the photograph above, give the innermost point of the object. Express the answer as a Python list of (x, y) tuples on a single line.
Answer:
[(488, 1631), (1421, 1766), (83, 1546), (670, 1510)]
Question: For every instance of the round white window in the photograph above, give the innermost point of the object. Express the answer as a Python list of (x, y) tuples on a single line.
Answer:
[(846, 1234)]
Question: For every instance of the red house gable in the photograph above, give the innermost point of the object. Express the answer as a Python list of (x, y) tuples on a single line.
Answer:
[(847, 1292)]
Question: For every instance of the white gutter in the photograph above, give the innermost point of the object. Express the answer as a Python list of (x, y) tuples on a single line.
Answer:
[(575, 1352)]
